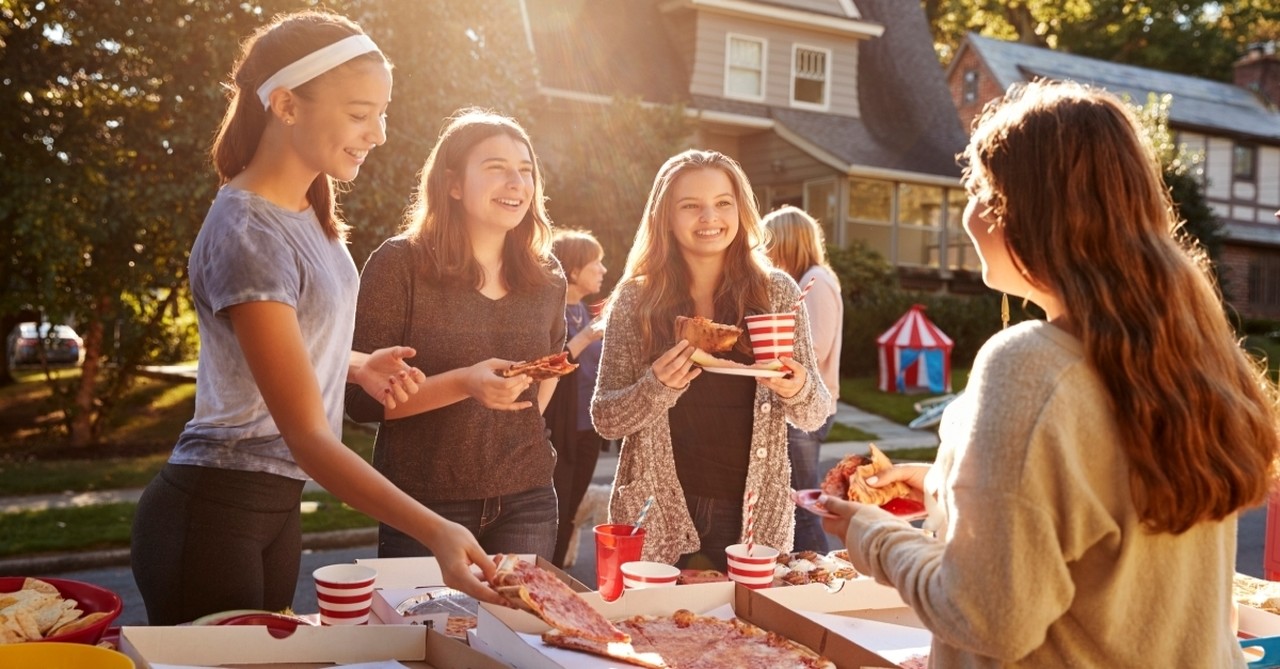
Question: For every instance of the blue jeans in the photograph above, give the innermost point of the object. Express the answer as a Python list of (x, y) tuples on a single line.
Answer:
[(719, 525), (521, 523), (803, 447)]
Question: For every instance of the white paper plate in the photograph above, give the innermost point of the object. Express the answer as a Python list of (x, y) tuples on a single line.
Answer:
[(748, 371)]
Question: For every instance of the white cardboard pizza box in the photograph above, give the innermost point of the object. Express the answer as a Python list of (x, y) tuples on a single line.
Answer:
[(1258, 623), (252, 646), (513, 636), (861, 610)]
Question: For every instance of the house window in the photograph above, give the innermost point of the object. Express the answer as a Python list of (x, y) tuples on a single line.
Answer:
[(1264, 282), (910, 224), (809, 75), (744, 75), (1243, 159), (969, 92)]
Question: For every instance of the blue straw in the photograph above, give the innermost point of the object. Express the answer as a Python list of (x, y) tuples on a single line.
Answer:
[(644, 511)]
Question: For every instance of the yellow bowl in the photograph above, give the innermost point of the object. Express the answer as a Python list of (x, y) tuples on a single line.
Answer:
[(54, 655)]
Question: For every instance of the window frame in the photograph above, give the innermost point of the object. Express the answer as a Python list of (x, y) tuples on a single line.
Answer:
[(1252, 173), (969, 86), (729, 39), (828, 57)]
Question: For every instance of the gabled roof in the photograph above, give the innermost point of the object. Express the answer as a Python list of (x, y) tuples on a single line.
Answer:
[(1202, 104), (908, 121)]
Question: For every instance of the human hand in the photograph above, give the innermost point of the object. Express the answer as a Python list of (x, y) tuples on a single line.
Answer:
[(485, 384), (456, 550), (787, 386), (386, 377), (911, 473), (673, 368), (841, 511)]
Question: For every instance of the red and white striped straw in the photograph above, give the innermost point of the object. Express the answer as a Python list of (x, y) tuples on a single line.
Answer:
[(804, 291), (751, 521)]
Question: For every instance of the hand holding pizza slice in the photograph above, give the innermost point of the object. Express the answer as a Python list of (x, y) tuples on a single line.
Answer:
[(848, 479), (546, 367)]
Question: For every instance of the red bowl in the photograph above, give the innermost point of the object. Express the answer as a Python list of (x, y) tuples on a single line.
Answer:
[(89, 599)]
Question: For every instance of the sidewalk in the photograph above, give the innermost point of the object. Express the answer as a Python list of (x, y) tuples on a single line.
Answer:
[(890, 436)]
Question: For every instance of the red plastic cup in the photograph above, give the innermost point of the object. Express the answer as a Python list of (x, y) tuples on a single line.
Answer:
[(344, 593), (772, 335), (615, 544)]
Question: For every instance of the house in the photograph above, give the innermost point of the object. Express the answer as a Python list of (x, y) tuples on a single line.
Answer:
[(837, 106), (1234, 126)]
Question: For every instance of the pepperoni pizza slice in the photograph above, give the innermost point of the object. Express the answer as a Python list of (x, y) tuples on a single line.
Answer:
[(546, 367), (537, 590)]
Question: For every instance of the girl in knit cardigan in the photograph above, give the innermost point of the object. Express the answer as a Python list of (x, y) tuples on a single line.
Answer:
[(1083, 503), (697, 442)]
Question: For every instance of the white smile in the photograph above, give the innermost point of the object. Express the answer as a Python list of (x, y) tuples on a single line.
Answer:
[(507, 202), (709, 233)]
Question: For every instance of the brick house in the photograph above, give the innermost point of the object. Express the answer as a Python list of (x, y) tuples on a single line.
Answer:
[(1235, 126), (837, 106)]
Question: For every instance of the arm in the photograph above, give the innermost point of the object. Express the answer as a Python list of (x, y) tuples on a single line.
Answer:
[(824, 309), (545, 390), (273, 347)]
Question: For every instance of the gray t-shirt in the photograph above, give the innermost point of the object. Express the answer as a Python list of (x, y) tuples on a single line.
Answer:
[(250, 250)]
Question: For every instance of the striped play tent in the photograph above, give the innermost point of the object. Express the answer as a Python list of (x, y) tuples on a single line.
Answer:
[(915, 355)]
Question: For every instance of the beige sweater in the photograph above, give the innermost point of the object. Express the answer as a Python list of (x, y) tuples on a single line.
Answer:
[(1040, 559), (631, 404)]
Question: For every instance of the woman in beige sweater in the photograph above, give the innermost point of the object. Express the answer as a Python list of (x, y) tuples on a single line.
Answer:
[(698, 441), (1083, 503)]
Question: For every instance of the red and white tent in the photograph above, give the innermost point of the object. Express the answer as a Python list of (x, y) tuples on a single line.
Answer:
[(915, 355)]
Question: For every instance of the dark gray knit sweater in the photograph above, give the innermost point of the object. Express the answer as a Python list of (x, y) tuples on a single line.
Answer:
[(464, 450)]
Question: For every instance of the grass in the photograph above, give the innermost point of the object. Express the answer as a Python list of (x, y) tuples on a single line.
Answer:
[(862, 392), (842, 432)]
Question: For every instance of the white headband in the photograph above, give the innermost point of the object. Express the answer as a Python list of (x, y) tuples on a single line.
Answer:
[(315, 64)]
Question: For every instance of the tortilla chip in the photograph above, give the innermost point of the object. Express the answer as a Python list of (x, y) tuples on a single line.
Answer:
[(51, 614), (27, 623), (40, 586), (10, 631), (87, 620)]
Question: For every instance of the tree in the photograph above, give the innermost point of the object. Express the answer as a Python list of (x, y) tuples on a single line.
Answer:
[(1200, 38), (105, 154), (600, 167)]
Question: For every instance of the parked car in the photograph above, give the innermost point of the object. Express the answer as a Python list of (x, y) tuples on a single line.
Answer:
[(61, 345)]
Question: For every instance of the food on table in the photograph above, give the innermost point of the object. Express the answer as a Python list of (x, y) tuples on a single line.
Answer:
[(691, 576), (685, 639), (805, 567), (38, 611), (546, 367), (848, 479), (1256, 592), (537, 590), (706, 334)]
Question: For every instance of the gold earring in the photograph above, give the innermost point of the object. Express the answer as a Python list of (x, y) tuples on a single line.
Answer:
[(1004, 310)]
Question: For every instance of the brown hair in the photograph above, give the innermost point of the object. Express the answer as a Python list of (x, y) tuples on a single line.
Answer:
[(1062, 168), (658, 269), (435, 224), (575, 249), (795, 241), (272, 47)]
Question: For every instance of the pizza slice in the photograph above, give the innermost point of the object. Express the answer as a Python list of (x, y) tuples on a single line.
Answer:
[(706, 334), (848, 479), (546, 367), (537, 590), (751, 646)]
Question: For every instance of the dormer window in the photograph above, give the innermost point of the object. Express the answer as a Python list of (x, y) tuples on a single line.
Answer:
[(810, 71), (744, 71)]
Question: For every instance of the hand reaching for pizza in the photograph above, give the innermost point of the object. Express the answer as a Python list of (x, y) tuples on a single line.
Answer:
[(456, 550), (673, 368), (485, 384), (787, 386), (385, 375)]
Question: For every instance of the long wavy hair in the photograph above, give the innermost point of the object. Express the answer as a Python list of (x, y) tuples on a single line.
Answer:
[(286, 39), (795, 241), (436, 225), (1063, 169), (660, 273)]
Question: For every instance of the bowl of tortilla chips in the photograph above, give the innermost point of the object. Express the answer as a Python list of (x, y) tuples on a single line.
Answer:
[(54, 609)]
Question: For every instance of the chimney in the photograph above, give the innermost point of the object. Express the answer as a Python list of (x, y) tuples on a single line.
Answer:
[(1259, 71)]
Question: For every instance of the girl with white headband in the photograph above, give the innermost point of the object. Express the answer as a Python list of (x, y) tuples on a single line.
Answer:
[(275, 291)]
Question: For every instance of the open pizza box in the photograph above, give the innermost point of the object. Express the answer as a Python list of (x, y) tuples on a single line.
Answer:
[(253, 647), (861, 610), (1255, 622), (402, 579), (514, 636)]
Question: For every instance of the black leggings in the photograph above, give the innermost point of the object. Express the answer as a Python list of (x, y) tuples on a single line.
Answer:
[(207, 540)]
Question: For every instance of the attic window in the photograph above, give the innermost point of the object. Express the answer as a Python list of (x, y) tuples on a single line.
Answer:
[(744, 72), (970, 90), (1243, 158), (809, 74)]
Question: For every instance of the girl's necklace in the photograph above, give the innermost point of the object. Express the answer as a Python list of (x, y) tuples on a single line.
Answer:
[(576, 318)]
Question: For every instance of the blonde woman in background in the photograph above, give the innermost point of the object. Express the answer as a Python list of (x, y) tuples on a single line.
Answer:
[(796, 247)]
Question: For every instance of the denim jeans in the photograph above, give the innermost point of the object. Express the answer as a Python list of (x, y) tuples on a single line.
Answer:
[(803, 447), (521, 523), (719, 525)]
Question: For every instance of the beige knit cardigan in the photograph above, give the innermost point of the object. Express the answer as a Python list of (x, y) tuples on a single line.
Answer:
[(631, 404)]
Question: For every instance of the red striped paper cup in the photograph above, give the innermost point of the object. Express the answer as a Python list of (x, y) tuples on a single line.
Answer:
[(755, 570), (344, 593), (644, 574), (772, 335)]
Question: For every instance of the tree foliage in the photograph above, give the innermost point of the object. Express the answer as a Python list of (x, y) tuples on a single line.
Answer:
[(1197, 38)]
